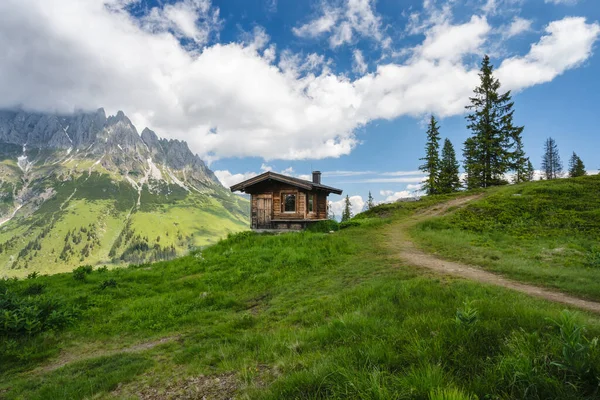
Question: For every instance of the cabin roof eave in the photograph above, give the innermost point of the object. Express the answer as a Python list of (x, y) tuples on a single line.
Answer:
[(301, 183)]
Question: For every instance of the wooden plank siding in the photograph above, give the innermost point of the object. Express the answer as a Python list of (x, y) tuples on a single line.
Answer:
[(276, 191)]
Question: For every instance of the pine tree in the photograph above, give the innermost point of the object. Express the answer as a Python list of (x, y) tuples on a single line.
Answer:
[(431, 167), (576, 166), (370, 202), (448, 179), (488, 153), (347, 213), (551, 164), (530, 171), (521, 163)]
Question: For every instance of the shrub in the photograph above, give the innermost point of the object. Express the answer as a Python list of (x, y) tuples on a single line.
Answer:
[(34, 289), (102, 269), (466, 316), (593, 258), (324, 226), (33, 275), (349, 223), (32, 315), (578, 352), (79, 273), (109, 283)]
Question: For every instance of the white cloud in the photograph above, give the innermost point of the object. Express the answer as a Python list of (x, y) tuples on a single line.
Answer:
[(566, 45), (518, 26), (314, 28), (393, 196), (452, 42), (228, 179), (232, 100), (565, 2), (337, 207), (343, 23), (192, 19), (360, 66)]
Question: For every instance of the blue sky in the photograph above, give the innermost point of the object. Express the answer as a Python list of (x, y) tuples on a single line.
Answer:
[(342, 86)]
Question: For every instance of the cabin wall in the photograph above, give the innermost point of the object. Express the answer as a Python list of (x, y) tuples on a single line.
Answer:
[(277, 190)]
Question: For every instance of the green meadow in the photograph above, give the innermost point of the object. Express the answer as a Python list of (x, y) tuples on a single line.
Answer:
[(544, 232), (305, 315)]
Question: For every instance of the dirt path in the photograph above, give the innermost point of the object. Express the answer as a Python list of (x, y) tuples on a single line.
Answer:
[(406, 250)]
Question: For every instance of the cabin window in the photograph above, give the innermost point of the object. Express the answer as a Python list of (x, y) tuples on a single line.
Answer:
[(289, 203), (311, 203)]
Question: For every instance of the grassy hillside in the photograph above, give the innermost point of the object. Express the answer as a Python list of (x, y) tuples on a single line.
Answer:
[(544, 232), (301, 315), (95, 220)]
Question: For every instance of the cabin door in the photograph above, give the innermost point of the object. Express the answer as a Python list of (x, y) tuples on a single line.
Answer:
[(264, 209)]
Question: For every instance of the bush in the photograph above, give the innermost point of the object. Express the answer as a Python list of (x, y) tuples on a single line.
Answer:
[(33, 275), (79, 273), (109, 283), (32, 315), (349, 223), (34, 289), (324, 226)]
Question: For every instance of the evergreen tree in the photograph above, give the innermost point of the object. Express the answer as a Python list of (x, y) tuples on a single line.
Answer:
[(576, 167), (448, 179), (347, 213), (521, 163), (530, 171), (431, 167), (370, 202), (551, 164), (489, 151)]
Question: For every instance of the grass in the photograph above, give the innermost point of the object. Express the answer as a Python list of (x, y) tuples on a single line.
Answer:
[(546, 233), (301, 316), (185, 221)]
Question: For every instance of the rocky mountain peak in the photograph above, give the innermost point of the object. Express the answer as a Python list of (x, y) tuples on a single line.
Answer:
[(114, 140)]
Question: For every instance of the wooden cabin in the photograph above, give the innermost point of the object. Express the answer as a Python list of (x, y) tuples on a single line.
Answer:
[(283, 202)]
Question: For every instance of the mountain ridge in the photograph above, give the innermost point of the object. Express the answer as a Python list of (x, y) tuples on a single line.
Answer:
[(90, 161)]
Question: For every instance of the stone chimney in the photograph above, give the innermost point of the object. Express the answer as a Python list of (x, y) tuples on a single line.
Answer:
[(316, 177)]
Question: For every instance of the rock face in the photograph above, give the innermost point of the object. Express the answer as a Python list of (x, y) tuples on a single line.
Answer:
[(95, 135)]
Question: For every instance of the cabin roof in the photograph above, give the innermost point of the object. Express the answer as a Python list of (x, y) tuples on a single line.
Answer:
[(301, 183)]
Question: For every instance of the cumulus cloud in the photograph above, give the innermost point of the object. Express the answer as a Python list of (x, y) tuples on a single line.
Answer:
[(228, 179), (344, 23), (518, 26), (357, 205), (567, 44), (247, 98)]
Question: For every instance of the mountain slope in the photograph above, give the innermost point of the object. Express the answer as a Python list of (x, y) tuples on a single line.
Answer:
[(88, 188)]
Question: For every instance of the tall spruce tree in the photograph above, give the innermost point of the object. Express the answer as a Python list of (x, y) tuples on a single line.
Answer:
[(490, 151), (551, 164), (370, 202), (530, 171), (576, 166), (431, 165), (347, 213), (521, 163), (448, 181)]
